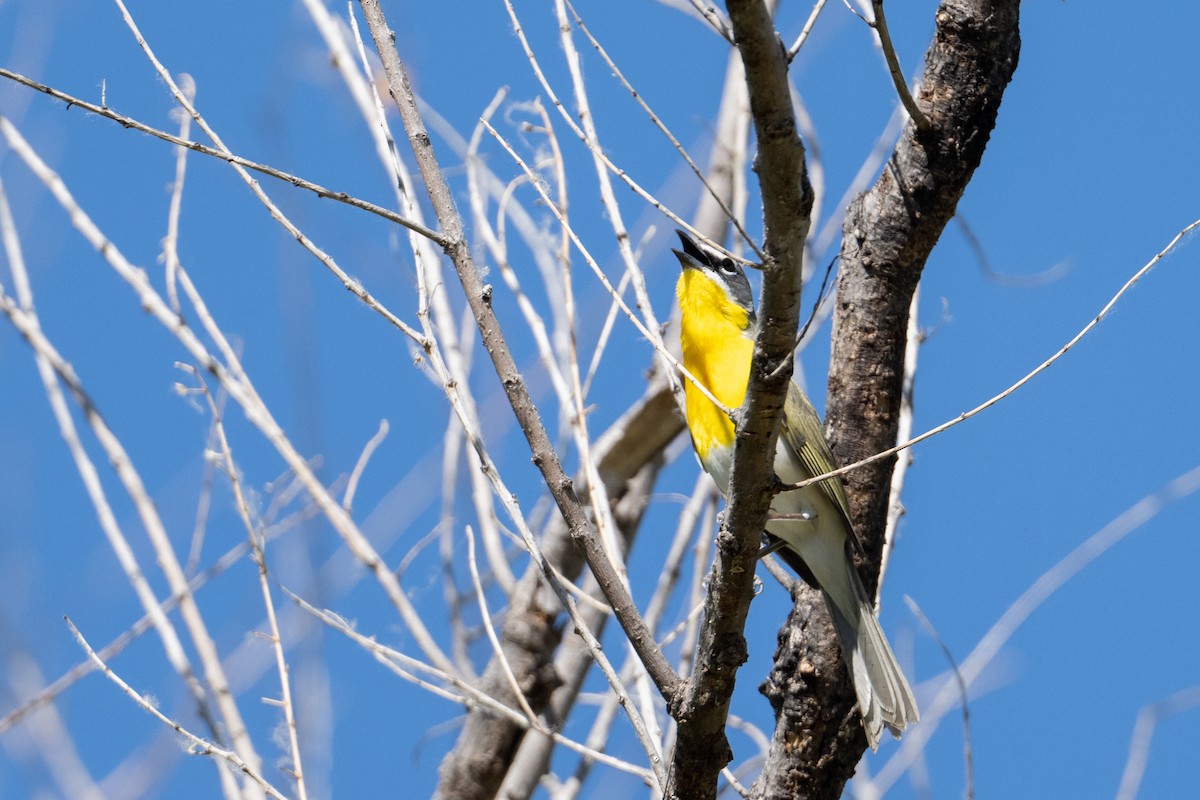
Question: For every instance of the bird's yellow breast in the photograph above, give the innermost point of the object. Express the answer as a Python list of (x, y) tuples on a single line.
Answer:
[(717, 349)]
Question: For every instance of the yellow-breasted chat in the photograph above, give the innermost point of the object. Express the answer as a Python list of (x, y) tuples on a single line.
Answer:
[(811, 526)]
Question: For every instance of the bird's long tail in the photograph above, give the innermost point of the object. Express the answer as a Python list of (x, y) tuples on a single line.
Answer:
[(884, 696)]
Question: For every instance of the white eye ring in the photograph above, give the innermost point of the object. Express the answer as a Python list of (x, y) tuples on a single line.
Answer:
[(725, 265)]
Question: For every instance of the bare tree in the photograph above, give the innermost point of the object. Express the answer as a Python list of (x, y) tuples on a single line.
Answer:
[(517, 632)]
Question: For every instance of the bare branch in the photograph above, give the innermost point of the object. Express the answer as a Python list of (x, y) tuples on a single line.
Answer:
[(702, 748), (479, 298), (893, 62), (963, 694), (794, 50), (714, 18), (1143, 731), (629, 456), (257, 541), (199, 746), (658, 123), (887, 235), (583, 136), (53, 368), (233, 378), (651, 335), (1040, 368), (1049, 582), (171, 241), (406, 667), (360, 466), (490, 629), (224, 155)]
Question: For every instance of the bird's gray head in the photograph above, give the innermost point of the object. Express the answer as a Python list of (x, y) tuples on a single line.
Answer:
[(718, 266)]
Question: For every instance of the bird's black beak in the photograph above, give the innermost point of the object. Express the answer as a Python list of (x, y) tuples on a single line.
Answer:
[(690, 247), (691, 255)]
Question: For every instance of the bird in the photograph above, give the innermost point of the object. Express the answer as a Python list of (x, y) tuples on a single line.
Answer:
[(810, 527)]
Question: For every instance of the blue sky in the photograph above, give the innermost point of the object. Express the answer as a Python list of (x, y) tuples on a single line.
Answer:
[(1089, 173)]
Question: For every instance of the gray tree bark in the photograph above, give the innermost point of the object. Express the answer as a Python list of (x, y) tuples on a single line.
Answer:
[(888, 234)]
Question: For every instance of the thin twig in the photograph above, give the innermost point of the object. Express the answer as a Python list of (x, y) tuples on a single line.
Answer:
[(490, 629), (605, 332), (199, 746), (569, 396), (893, 62), (405, 666), (734, 783), (689, 626), (26, 323), (171, 241), (361, 465), (599, 154), (963, 694), (966, 415), (224, 155), (65, 681), (598, 739), (904, 426), (1143, 730), (53, 368), (806, 30), (690, 521), (822, 297), (483, 184), (204, 500), (714, 18), (452, 361), (1046, 276), (605, 525), (1030, 600), (591, 138), (351, 284), (655, 340), (658, 123), (257, 541)]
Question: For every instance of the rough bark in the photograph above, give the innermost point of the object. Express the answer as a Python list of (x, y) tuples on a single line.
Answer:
[(888, 234), (701, 747)]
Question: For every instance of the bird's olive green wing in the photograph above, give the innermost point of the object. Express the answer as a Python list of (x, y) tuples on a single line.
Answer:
[(804, 436)]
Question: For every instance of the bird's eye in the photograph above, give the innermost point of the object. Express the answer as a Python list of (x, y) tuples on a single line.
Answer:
[(726, 266)]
